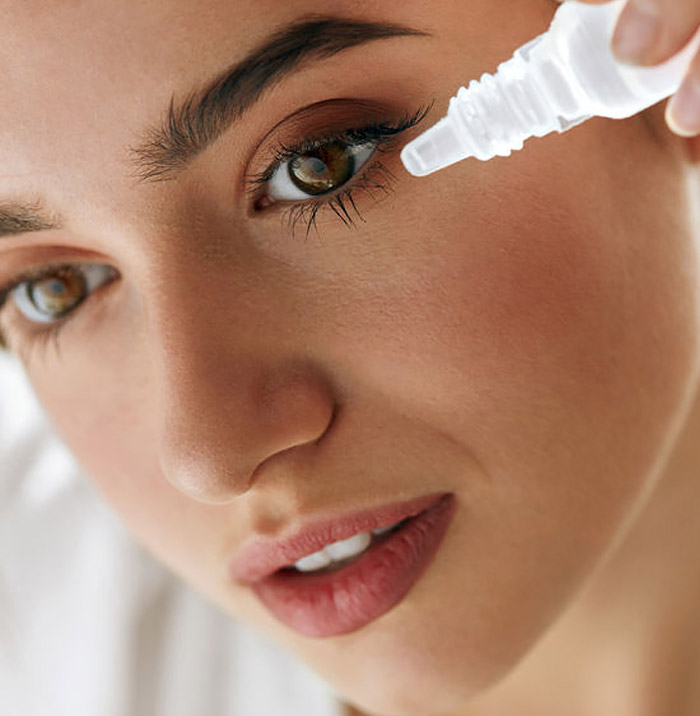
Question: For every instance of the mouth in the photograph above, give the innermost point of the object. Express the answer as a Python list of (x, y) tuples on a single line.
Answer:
[(338, 576)]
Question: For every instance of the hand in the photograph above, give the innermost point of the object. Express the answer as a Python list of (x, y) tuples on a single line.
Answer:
[(652, 31)]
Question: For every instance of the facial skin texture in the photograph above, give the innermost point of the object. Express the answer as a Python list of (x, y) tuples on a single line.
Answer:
[(522, 333)]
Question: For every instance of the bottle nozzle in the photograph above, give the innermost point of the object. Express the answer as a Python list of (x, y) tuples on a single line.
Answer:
[(436, 148)]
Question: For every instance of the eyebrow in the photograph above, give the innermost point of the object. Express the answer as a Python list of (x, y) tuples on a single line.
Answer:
[(194, 123), (23, 218)]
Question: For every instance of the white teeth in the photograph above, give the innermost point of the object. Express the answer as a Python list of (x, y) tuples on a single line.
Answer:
[(317, 560), (348, 547), (338, 551)]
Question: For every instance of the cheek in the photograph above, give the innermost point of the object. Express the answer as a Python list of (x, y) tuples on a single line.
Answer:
[(100, 400), (113, 439), (530, 300), (554, 334)]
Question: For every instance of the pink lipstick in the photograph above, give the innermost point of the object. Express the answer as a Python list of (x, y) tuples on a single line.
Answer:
[(344, 594)]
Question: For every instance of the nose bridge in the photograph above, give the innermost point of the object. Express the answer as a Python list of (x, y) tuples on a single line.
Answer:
[(234, 387)]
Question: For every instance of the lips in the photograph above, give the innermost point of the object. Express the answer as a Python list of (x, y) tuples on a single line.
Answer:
[(348, 596)]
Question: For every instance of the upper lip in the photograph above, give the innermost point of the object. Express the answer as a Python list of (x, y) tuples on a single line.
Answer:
[(262, 556)]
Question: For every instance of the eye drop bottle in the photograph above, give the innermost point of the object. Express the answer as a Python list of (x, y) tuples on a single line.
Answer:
[(553, 83)]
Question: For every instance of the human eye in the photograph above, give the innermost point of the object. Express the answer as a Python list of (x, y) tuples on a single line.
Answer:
[(324, 173), (48, 296), (319, 171)]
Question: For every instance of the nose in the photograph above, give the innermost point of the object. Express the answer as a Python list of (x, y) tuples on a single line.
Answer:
[(235, 385)]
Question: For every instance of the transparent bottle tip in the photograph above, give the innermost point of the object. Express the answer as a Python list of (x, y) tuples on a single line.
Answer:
[(436, 148)]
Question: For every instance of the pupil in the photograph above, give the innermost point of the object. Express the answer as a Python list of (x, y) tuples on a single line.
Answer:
[(323, 169), (57, 287), (58, 294), (315, 165)]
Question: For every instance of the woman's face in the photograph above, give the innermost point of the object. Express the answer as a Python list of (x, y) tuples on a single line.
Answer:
[(519, 334)]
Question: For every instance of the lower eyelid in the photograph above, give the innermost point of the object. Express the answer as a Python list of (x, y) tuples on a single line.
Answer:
[(372, 180)]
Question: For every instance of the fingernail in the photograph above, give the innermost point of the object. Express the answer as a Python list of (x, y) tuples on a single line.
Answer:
[(637, 32), (683, 111)]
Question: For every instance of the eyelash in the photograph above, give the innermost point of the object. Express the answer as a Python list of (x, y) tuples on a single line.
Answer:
[(370, 178), (49, 332)]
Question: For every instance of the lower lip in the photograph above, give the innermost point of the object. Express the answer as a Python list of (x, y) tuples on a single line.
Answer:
[(334, 603)]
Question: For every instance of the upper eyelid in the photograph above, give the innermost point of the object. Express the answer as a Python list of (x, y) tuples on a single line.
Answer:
[(385, 134)]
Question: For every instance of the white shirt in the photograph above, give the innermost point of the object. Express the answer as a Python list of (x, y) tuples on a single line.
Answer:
[(91, 625)]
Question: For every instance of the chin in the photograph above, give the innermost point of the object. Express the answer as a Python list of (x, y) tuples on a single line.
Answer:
[(397, 691), (391, 676)]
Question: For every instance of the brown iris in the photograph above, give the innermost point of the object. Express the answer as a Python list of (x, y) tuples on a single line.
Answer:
[(322, 170), (58, 292)]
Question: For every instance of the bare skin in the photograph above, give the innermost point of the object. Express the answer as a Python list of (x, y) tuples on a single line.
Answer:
[(524, 334)]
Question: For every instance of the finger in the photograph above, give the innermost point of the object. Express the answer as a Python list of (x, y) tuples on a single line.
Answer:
[(652, 31), (683, 110)]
